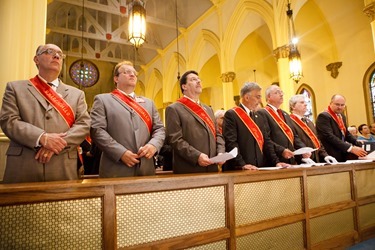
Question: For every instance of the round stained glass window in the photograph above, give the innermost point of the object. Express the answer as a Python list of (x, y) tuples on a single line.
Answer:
[(84, 73)]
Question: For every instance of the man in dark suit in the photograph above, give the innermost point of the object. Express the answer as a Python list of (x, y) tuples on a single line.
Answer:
[(45, 121), (306, 130), (192, 130), (282, 133), (331, 127), (244, 129)]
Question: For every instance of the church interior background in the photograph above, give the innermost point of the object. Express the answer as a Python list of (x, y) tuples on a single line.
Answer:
[(228, 42)]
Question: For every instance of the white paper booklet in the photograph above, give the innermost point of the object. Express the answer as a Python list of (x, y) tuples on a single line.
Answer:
[(224, 157)]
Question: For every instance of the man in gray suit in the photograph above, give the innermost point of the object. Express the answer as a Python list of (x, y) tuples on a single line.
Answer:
[(45, 121), (126, 127), (306, 130), (192, 130)]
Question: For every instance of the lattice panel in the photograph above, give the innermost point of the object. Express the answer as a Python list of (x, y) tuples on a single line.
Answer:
[(285, 237), (259, 201), (327, 189), (212, 246), (75, 224), (367, 215), (365, 182), (148, 217), (331, 225)]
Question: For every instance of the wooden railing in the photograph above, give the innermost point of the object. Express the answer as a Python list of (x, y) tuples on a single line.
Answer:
[(304, 208)]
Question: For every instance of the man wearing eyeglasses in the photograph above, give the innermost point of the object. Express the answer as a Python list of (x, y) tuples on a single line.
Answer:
[(332, 132), (192, 130), (45, 121), (126, 127)]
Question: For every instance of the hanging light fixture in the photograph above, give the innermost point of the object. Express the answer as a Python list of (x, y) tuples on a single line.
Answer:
[(137, 23), (295, 65)]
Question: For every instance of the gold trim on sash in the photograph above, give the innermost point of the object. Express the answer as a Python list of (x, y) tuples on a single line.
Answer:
[(200, 112), (284, 127), (306, 130), (141, 111), (53, 98), (251, 126)]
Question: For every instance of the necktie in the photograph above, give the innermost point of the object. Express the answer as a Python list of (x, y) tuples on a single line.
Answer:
[(52, 86), (251, 114), (304, 120), (280, 114)]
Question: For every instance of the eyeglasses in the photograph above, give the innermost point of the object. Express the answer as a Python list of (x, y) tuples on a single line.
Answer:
[(130, 72), (52, 52)]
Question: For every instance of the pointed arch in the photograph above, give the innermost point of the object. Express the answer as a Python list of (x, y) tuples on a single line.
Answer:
[(369, 90), (263, 8), (206, 37)]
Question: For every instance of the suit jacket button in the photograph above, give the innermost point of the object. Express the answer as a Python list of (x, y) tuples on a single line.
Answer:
[(47, 117)]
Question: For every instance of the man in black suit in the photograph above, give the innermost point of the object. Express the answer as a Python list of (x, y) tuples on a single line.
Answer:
[(282, 133), (245, 129), (331, 127), (306, 130)]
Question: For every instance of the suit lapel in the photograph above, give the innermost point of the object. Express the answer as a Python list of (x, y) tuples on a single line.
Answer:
[(37, 96)]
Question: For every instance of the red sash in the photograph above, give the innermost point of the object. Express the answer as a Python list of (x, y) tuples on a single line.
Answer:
[(307, 130), (53, 98), (142, 112), (200, 112), (251, 126), (284, 127), (338, 120)]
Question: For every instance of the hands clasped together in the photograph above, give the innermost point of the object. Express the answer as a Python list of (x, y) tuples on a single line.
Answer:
[(52, 143), (130, 159)]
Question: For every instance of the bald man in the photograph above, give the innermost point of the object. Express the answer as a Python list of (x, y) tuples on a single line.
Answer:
[(332, 131)]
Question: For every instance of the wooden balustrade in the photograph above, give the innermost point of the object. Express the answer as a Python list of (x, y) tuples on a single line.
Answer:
[(302, 208)]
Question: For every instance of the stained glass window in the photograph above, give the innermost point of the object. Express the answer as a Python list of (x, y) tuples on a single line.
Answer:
[(308, 98), (372, 93), (84, 73)]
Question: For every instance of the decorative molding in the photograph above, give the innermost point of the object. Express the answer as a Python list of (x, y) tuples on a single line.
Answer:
[(369, 10), (281, 52), (334, 68), (228, 76)]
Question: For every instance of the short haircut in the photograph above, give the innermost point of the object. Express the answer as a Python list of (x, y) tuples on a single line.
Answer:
[(336, 95), (360, 127), (219, 113), (293, 100), (269, 90), (248, 87), (117, 67), (183, 78)]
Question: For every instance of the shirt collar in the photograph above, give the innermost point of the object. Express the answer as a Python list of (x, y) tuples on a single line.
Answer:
[(198, 102), (54, 82)]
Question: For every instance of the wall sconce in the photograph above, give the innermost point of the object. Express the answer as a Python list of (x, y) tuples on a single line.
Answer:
[(295, 65), (137, 23)]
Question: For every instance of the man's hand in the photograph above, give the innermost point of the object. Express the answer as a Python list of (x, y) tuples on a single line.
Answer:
[(287, 154), (308, 161), (282, 164), (306, 155), (204, 160), (54, 142), (147, 151), (360, 152), (44, 155), (249, 167), (129, 158)]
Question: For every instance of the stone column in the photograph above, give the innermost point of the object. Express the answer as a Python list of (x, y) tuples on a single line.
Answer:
[(23, 28), (227, 79), (286, 84), (369, 10)]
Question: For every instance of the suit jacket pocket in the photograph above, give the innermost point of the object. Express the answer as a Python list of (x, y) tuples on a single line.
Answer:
[(15, 151), (73, 154)]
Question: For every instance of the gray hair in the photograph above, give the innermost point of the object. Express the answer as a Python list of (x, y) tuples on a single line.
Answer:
[(248, 87), (293, 100), (269, 90), (219, 112)]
